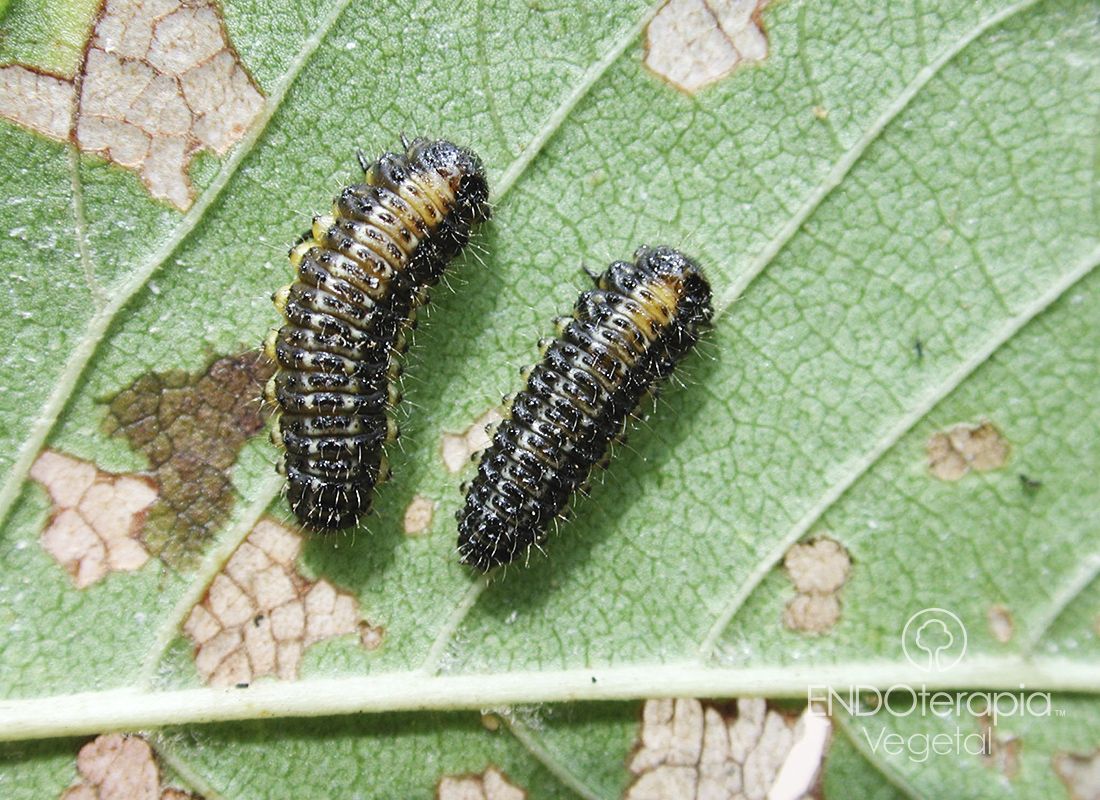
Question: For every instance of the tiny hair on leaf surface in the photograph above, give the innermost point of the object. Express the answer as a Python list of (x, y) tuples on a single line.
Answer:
[(896, 208)]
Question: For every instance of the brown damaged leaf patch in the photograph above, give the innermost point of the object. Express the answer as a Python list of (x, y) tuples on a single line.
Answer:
[(818, 569), (693, 43), (1080, 773), (260, 613), (742, 750), (492, 784), (120, 767), (1002, 752), (191, 427), (96, 519), (159, 83), (955, 452)]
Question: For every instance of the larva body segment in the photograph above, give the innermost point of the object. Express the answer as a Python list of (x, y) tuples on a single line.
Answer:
[(624, 338), (361, 273)]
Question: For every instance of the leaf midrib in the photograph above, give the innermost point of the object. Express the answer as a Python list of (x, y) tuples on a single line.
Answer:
[(136, 709)]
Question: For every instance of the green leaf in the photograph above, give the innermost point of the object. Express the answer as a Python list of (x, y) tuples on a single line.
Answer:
[(48, 34), (898, 211)]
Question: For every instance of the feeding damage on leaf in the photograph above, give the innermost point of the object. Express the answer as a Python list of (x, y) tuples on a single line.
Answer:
[(191, 427), (818, 569), (418, 516), (160, 82), (457, 449), (1080, 773), (492, 784), (96, 519), (1001, 623), (120, 767), (1002, 751), (955, 452), (693, 43), (260, 613), (742, 750)]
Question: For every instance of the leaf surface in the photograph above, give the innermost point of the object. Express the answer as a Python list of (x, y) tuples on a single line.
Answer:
[(897, 209)]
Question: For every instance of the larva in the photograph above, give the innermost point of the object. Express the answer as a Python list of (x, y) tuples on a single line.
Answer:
[(361, 273), (624, 337)]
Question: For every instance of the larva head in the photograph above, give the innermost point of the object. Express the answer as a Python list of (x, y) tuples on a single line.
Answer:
[(463, 170), (695, 310)]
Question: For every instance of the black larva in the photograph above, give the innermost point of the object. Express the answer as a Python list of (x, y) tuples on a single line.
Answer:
[(624, 337), (361, 273)]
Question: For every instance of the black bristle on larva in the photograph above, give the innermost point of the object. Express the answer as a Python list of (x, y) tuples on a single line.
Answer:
[(624, 337), (361, 273)]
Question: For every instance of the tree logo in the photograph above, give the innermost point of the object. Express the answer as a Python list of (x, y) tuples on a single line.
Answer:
[(934, 640)]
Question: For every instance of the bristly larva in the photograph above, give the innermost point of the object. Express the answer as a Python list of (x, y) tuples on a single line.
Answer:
[(361, 273), (624, 337)]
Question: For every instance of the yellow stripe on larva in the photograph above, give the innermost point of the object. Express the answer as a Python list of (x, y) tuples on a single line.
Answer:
[(657, 300), (269, 344), (320, 227), (437, 190), (396, 205), (391, 224), (298, 252), (412, 196), (380, 243), (281, 298)]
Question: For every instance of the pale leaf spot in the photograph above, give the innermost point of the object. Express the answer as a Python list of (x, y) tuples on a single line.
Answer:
[(119, 767), (42, 103), (693, 43), (1004, 751), (66, 479), (458, 448), (216, 649), (1080, 774), (418, 516), (1001, 622), (818, 569), (290, 655), (185, 38), (260, 612), (371, 636), (159, 83), (223, 99), (201, 625), (688, 748), (81, 791), (955, 452), (247, 561), (228, 602), (492, 784), (272, 587), (820, 565), (288, 622), (811, 613), (280, 544), (96, 519), (234, 670), (259, 644)]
